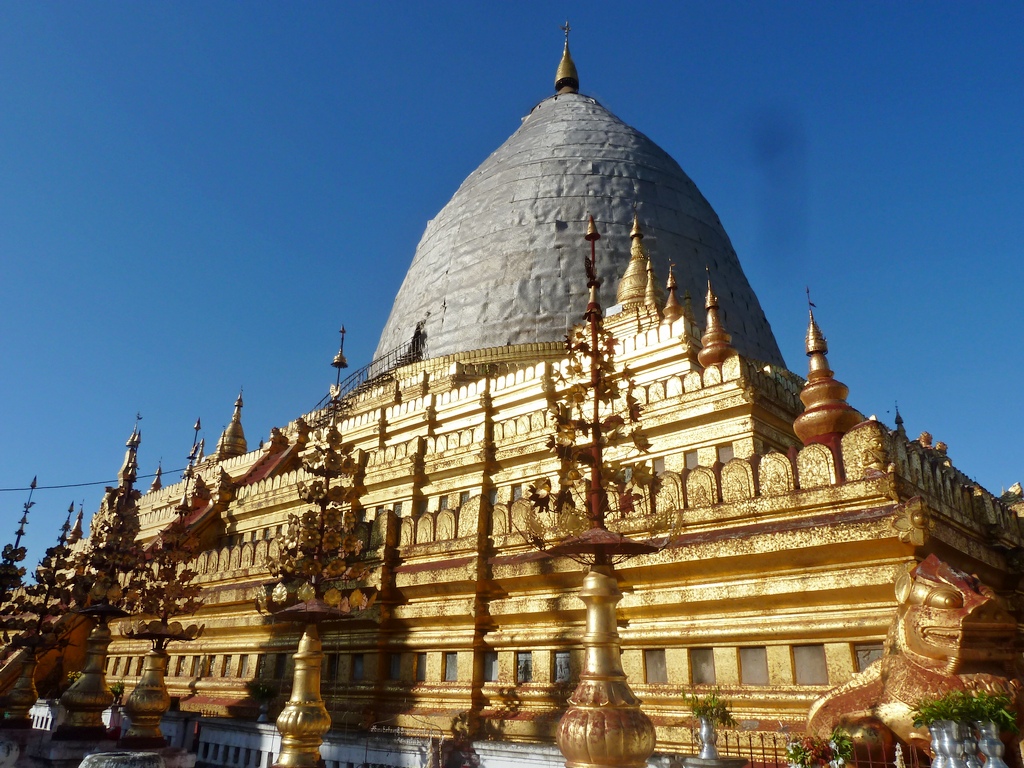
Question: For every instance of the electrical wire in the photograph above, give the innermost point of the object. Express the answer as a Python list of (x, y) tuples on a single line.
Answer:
[(83, 485)]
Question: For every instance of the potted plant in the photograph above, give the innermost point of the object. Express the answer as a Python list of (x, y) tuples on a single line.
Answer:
[(710, 710), (993, 715), (945, 719), (812, 752), (262, 693)]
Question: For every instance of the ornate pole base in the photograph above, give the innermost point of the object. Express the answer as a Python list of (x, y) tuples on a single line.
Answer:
[(21, 697), (304, 719), (89, 695), (604, 726), (147, 704)]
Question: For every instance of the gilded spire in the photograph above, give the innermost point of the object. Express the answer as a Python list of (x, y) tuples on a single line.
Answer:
[(566, 79), (130, 468), (76, 530), (673, 310), (232, 441), (826, 413), (716, 343), (632, 289), (158, 482), (652, 292)]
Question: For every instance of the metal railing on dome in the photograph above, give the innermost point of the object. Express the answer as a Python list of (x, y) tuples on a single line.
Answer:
[(364, 378)]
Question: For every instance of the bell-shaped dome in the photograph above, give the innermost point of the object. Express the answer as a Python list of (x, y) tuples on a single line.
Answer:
[(502, 263)]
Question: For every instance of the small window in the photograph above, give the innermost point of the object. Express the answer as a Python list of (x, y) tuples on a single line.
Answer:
[(421, 667), (395, 666), (280, 660), (442, 503), (691, 460), (659, 466), (141, 664), (261, 665), (398, 509), (463, 498), (451, 666), (421, 506), (524, 666), (266, 534), (726, 453), (702, 666), (207, 665), (225, 670), (331, 666), (490, 666), (357, 666), (379, 511), (809, 665), (655, 670), (243, 666), (867, 654), (194, 672), (252, 535), (517, 492), (563, 667), (754, 666), (117, 664), (492, 496), (179, 665)]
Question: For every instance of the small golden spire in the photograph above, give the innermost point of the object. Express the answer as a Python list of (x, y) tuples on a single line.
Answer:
[(633, 284), (566, 78), (716, 343), (826, 414), (130, 468), (157, 478), (76, 530), (652, 292), (232, 441), (673, 311), (592, 233)]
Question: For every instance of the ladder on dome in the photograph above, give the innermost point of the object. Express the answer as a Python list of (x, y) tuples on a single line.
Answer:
[(359, 381)]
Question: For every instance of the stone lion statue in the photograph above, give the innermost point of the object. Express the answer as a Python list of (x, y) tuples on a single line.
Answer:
[(951, 632)]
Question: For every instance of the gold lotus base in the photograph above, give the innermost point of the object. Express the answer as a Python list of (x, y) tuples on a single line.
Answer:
[(89, 695), (304, 719), (148, 703), (604, 726)]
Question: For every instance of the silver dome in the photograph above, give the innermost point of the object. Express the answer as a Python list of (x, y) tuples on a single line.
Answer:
[(502, 263)]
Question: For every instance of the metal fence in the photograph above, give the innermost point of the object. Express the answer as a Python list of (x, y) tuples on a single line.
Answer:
[(768, 750)]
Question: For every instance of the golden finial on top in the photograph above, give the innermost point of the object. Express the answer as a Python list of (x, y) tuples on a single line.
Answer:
[(232, 441), (652, 291), (716, 343), (636, 231), (710, 300), (566, 78), (815, 340), (592, 233), (827, 415), (673, 310), (632, 288), (158, 481)]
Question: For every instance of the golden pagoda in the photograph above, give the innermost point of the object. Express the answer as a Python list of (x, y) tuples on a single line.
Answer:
[(797, 527)]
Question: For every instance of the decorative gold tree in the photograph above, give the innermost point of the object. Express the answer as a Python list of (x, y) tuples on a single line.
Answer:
[(604, 725), (105, 586), (32, 613), (166, 590), (318, 560)]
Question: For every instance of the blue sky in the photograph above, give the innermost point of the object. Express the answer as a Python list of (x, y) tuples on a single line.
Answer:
[(195, 196)]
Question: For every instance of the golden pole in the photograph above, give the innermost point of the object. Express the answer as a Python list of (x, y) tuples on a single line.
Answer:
[(89, 695), (22, 695), (604, 726), (148, 703), (304, 719)]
